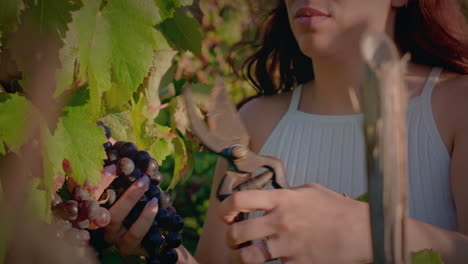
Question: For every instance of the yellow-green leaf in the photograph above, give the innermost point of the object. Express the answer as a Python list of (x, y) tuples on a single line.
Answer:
[(82, 144)]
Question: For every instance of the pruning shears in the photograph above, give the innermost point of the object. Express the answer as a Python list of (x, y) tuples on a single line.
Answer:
[(227, 137)]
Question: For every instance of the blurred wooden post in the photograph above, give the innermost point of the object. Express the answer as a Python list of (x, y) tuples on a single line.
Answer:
[(386, 147)]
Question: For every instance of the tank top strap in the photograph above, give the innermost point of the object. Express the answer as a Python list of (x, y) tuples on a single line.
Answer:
[(295, 99), (430, 84)]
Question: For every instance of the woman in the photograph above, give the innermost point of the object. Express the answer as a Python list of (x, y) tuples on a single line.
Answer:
[(318, 134)]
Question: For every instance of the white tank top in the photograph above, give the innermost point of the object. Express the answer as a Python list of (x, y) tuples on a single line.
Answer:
[(329, 150)]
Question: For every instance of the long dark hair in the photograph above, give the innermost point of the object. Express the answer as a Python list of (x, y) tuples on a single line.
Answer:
[(431, 30)]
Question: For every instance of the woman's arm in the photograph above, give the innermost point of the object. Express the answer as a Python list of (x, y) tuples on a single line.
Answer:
[(212, 244)]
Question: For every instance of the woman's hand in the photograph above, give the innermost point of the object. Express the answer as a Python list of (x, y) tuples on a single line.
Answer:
[(310, 224), (128, 240)]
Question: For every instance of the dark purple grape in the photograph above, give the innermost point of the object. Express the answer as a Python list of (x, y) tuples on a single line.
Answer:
[(61, 225), (164, 218), (172, 210), (103, 218), (142, 159), (157, 178), (154, 260), (153, 191), (57, 200), (113, 155), (109, 196), (135, 175), (107, 146), (152, 241), (125, 166), (128, 149), (169, 256), (85, 236), (118, 145), (144, 199), (173, 239), (120, 184), (79, 194), (68, 210), (89, 209), (154, 227), (140, 205), (165, 201), (81, 223), (133, 215), (152, 168), (176, 223)]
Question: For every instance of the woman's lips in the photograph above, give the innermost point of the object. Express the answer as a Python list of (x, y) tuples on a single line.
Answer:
[(309, 16)]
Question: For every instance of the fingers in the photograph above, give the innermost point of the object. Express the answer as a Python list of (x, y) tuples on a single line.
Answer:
[(132, 238), (258, 252), (249, 230), (257, 182), (108, 174), (123, 206), (247, 201)]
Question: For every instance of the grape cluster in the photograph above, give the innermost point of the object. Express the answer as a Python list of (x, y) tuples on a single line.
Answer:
[(74, 216), (164, 235)]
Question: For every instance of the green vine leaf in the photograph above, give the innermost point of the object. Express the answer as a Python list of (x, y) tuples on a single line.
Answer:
[(68, 55), (363, 198), (52, 157), (10, 11), (39, 202), (115, 48), (14, 112), (161, 149), (139, 123), (183, 32), (179, 118), (161, 42), (133, 39), (120, 126), (162, 62), (82, 144), (94, 51), (426, 257), (51, 16), (117, 96), (167, 8), (180, 160)]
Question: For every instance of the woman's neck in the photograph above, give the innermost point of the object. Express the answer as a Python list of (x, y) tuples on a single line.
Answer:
[(336, 87)]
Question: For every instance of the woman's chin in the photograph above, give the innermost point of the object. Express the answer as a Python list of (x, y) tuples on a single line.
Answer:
[(316, 46)]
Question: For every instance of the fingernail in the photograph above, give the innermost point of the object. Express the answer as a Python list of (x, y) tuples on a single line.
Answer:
[(153, 202), (110, 170), (143, 182)]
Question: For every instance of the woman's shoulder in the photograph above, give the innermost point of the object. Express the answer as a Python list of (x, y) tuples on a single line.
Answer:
[(261, 115), (452, 94), (450, 103)]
